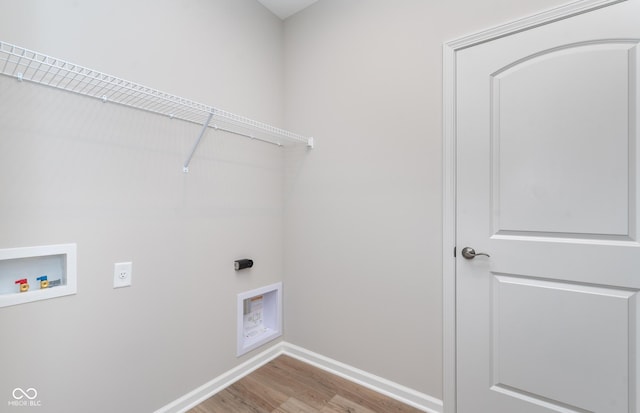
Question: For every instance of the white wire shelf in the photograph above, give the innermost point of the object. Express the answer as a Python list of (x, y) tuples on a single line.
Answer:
[(27, 65)]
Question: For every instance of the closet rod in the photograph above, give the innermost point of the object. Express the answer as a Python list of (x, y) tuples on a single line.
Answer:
[(35, 67)]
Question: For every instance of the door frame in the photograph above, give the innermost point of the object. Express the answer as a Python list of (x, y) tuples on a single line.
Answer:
[(449, 122)]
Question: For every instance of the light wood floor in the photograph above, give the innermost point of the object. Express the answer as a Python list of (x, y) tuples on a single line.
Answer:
[(286, 385)]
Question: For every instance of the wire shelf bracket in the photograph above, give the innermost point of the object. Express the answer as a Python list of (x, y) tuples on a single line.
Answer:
[(27, 65), (185, 167)]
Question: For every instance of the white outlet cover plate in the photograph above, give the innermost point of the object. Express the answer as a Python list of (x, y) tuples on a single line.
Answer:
[(122, 274)]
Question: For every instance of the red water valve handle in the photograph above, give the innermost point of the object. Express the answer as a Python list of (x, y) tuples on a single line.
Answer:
[(24, 285)]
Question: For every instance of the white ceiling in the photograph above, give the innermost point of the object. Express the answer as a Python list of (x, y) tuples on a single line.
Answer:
[(286, 8)]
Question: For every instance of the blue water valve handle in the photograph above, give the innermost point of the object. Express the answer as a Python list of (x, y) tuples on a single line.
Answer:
[(43, 281)]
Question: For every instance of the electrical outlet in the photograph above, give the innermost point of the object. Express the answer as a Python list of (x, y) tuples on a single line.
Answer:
[(122, 274)]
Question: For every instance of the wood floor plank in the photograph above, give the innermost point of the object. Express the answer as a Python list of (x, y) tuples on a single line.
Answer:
[(256, 393), (288, 385), (289, 381), (311, 376), (226, 402), (293, 405), (341, 405), (345, 388)]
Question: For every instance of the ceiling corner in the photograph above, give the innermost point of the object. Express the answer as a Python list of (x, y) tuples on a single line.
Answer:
[(286, 8)]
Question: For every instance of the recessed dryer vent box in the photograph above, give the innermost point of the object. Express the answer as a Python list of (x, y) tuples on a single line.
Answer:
[(259, 317), (37, 273)]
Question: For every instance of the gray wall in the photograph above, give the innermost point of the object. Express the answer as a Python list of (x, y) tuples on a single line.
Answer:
[(354, 225), (110, 179), (363, 211)]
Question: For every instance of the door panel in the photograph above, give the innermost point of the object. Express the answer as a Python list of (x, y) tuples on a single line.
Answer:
[(578, 357), (547, 185), (546, 143)]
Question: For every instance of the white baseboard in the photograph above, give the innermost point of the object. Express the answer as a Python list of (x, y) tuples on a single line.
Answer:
[(202, 393), (396, 391)]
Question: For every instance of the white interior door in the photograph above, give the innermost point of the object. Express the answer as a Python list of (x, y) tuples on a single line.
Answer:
[(548, 186)]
